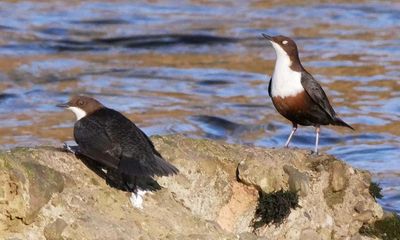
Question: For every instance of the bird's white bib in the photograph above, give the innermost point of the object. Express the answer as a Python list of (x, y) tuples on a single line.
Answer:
[(79, 113), (285, 81)]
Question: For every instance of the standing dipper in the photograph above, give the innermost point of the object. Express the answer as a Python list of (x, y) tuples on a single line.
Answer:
[(295, 93), (109, 138)]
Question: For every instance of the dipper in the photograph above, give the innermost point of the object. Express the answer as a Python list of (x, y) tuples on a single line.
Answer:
[(109, 138), (295, 94)]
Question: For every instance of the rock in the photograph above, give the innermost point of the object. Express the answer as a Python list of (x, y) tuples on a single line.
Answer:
[(365, 216), (53, 230), (338, 178), (310, 234), (27, 187), (298, 181), (250, 236), (264, 170), (239, 211), (50, 194)]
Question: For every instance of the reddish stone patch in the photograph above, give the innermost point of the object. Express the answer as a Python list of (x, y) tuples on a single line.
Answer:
[(243, 200)]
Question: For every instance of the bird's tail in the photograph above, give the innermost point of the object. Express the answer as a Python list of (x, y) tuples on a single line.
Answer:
[(163, 168), (339, 122), (151, 166)]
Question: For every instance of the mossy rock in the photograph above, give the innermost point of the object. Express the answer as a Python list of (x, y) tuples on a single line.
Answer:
[(386, 229), (34, 183), (43, 182), (274, 207), (375, 190)]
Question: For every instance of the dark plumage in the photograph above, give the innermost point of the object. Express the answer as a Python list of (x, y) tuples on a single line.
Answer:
[(109, 138)]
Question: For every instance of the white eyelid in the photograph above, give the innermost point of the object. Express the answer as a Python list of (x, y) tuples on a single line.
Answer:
[(284, 42)]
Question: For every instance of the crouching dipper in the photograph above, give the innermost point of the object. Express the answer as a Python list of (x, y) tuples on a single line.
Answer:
[(295, 93), (109, 138)]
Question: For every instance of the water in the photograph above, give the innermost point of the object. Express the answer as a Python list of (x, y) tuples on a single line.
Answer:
[(201, 68)]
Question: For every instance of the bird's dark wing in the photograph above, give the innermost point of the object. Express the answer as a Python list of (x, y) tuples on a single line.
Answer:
[(316, 93), (138, 156), (94, 142), (269, 87), (150, 143)]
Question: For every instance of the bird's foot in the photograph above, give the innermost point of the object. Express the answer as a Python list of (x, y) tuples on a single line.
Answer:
[(71, 148), (137, 198), (314, 153)]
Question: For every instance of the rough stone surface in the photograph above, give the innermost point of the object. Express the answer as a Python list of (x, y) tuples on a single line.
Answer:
[(338, 176), (54, 230), (47, 193), (310, 234), (298, 181)]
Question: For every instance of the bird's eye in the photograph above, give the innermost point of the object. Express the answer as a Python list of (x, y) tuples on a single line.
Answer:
[(284, 42), (80, 102)]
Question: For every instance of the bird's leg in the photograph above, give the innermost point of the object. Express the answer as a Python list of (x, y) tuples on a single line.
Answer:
[(291, 135), (317, 129), (71, 148), (135, 188), (129, 186)]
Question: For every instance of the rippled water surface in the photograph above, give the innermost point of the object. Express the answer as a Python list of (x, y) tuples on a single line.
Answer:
[(201, 68)]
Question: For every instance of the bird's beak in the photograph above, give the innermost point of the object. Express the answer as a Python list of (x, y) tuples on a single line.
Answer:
[(267, 37), (62, 105)]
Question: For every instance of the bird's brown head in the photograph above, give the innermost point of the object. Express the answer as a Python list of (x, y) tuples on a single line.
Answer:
[(285, 46), (82, 106)]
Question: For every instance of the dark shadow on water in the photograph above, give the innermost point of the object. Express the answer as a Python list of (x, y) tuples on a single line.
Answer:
[(250, 105), (110, 21), (55, 31), (212, 82), (6, 96), (72, 45), (217, 122), (47, 45), (4, 27), (163, 39), (102, 44), (219, 128)]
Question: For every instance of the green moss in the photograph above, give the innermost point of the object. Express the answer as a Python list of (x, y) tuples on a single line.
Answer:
[(318, 162), (332, 198), (386, 229), (20, 153), (274, 207), (6, 164), (375, 190), (168, 141), (94, 181)]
